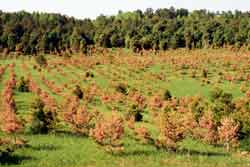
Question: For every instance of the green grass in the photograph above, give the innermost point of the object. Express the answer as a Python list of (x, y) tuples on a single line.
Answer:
[(191, 87), (67, 150)]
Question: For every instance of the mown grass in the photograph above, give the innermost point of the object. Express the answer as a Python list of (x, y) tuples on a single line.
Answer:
[(67, 150)]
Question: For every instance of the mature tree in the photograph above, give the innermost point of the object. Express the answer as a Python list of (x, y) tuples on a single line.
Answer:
[(149, 29)]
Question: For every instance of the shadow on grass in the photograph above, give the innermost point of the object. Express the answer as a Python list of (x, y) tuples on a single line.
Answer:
[(178, 152), (13, 159), (137, 153), (44, 147), (200, 153), (69, 133)]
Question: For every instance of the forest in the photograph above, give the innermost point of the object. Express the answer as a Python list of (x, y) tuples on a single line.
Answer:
[(161, 29)]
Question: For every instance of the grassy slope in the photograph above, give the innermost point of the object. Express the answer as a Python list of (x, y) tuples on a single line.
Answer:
[(72, 151)]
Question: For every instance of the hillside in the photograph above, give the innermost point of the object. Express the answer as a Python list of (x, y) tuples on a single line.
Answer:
[(175, 108)]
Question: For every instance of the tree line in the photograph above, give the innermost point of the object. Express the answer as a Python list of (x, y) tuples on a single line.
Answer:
[(31, 33)]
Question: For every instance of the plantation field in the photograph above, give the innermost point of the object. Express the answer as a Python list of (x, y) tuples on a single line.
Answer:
[(126, 84)]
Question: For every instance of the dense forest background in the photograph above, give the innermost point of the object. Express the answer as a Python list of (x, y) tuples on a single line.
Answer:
[(159, 30)]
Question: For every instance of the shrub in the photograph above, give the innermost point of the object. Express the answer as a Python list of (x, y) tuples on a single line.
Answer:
[(142, 134), (193, 74), (131, 123), (78, 92), (207, 131), (242, 116), (6, 149), (222, 103), (43, 120), (244, 130), (216, 93), (122, 88), (8, 146), (23, 85), (41, 60), (135, 113), (198, 105), (167, 95), (10, 123), (70, 107), (82, 121), (89, 74), (79, 119), (170, 133), (243, 87), (108, 133), (156, 102), (228, 133), (204, 73)]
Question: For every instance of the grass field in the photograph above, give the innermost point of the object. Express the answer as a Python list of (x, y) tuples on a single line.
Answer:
[(180, 71)]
